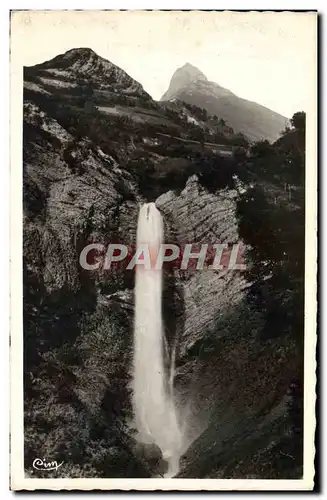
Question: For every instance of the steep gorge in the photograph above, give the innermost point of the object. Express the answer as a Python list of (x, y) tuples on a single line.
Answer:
[(85, 174)]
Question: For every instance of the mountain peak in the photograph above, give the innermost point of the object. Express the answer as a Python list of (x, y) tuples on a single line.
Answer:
[(82, 52), (84, 64), (190, 85), (191, 71), (182, 78), (187, 74), (69, 58)]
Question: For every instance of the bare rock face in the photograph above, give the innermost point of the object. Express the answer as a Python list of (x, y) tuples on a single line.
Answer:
[(182, 77), (197, 216)]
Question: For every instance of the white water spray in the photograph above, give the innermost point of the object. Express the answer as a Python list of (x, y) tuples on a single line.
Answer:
[(153, 399)]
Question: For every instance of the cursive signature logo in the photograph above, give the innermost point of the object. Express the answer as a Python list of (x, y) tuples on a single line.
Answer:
[(40, 464)]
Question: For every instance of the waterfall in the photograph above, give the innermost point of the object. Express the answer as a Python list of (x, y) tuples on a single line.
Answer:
[(154, 407)]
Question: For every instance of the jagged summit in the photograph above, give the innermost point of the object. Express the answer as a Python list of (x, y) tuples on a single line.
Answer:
[(183, 77), (70, 56), (257, 122), (84, 63), (81, 51), (190, 78), (191, 72)]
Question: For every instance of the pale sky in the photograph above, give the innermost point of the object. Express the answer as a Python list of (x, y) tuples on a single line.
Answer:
[(268, 57)]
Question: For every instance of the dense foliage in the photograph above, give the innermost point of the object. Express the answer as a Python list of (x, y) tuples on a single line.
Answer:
[(271, 221), (271, 215)]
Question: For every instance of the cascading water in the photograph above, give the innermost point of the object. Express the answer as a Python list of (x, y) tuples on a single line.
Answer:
[(155, 411)]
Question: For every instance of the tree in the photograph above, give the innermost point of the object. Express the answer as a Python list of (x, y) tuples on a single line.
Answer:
[(240, 140), (286, 130), (298, 121)]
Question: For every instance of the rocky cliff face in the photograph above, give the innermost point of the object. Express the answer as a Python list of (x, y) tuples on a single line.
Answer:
[(257, 122), (202, 217), (85, 173)]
